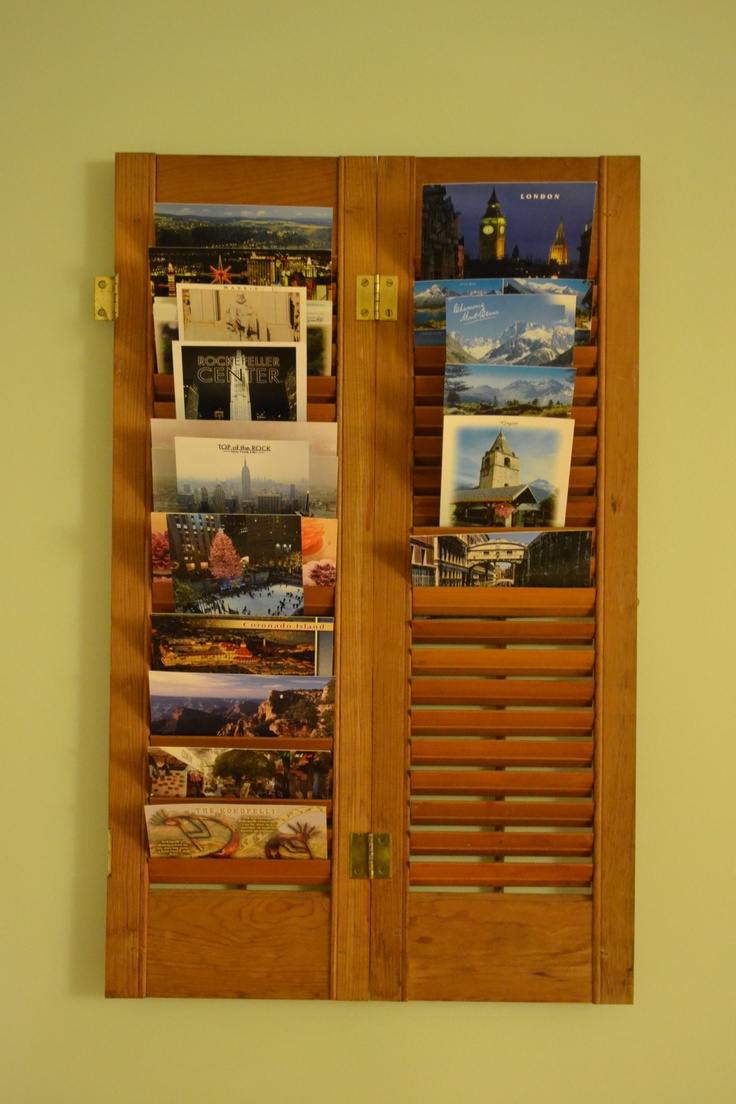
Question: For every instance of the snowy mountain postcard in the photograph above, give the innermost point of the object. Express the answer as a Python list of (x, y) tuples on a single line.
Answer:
[(581, 289), (511, 329), (517, 390), (242, 476), (247, 646), (237, 312), (505, 471), (509, 229), (210, 830), (429, 305)]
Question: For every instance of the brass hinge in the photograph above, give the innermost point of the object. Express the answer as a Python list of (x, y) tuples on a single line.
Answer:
[(370, 855), (106, 298), (376, 298)]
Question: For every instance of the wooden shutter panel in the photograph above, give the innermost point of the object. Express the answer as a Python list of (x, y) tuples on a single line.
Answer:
[(510, 714)]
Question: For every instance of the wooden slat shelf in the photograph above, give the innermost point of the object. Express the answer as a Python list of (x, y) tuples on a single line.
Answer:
[(500, 874), (505, 813), (507, 783), (501, 691), (499, 633), (502, 843), (501, 722), (502, 662), (426, 752), (314, 872), (504, 602)]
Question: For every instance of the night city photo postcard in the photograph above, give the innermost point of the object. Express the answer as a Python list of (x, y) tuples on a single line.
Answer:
[(172, 265), (260, 381), (505, 471), (429, 304), (248, 565), (210, 830), (248, 646), (320, 436), (524, 558), (237, 312), (290, 707), (499, 389), (255, 774), (514, 229), (243, 476), (510, 329)]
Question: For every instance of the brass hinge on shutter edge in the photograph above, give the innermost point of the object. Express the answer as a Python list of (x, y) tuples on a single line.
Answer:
[(376, 298), (370, 855), (106, 298)]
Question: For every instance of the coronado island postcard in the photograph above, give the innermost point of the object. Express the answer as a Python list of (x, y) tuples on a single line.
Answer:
[(258, 382), (215, 831), (248, 646), (252, 773), (511, 329), (510, 229), (242, 476), (512, 472), (293, 707)]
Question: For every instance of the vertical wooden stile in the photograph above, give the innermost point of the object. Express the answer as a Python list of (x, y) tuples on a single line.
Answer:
[(135, 176), (616, 569), (392, 520), (354, 610)]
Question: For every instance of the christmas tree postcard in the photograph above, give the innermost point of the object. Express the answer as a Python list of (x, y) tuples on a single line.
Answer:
[(253, 773), (292, 707), (242, 476), (241, 313), (524, 558), (248, 565), (250, 383), (506, 471), (236, 831), (429, 304), (320, 436), (508, 230), (581, 289), (511, 329), (518, 390), (248, 646)]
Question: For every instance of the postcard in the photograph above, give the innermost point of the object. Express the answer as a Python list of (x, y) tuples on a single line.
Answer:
[(258, 382), (525, 558), (505, 471), (294, 707), (242, 225), (249, 565), (321, 437), (429, 305), (165, 333), (510, 329), (319, 551), (518, 390), (248, 646), (239, 312), (242, 476), (250, 773), (209, 830), (272, 267), (319, 337), (581, 289), (509, 229)]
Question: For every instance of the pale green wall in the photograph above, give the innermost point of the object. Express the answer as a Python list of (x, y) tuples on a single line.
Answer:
[(82, 80)]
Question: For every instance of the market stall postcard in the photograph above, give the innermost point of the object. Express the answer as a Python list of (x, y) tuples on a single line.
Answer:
[(250, 383), (294, 707), (245, 226), (320, 436), (524, 558), (518, 390), (429, 304), (253, 773), (172, 265), (239, 312), (211, 830), (165, 333), (505, 471), (581, 289), (248, 565), (511, 329), (509, 229), (242, 476), (319, 337), (248, 646)]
